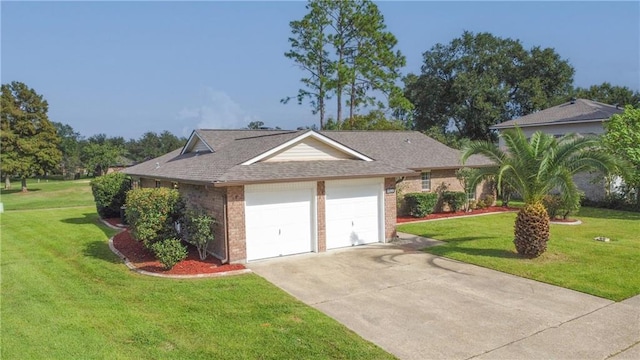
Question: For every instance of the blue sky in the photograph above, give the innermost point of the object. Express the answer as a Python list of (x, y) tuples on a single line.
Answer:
[(124, 68)]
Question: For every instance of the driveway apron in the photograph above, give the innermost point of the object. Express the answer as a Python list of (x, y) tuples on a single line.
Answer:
[(420, 306)]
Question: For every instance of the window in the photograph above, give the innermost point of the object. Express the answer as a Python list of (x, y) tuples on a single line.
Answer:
[(471, 194), (157, 183), (426, 180)]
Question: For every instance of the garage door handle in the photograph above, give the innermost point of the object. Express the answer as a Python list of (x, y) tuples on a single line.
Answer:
[(351, 222), (279, 231)]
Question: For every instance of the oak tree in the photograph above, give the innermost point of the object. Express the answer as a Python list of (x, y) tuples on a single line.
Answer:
[(28, 139)]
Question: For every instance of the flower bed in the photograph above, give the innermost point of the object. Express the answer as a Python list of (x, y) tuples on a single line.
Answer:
[(143, 259), (442, 215)]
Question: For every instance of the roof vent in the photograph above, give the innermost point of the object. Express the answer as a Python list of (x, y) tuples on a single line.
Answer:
[(157, 165), (407, 141), (573, 100)]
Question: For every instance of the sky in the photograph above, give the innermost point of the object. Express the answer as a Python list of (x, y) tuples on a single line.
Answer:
[(126, 68)]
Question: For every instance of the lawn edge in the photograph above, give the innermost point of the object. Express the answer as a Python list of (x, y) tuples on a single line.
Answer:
[(132, 267)]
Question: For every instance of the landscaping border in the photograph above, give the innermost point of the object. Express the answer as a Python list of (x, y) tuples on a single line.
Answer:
[(132, 267)]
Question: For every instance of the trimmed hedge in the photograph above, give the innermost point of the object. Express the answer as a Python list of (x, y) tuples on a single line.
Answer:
[(421, 204), (455, 199), (152, 214), (109, 192)]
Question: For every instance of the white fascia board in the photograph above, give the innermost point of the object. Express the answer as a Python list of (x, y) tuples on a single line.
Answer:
[(311, 134), (192, 139)]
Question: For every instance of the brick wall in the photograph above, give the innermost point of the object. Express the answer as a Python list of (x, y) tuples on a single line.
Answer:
[(212, 201), (236, 224), (322, 224), (440, 179), (390, 208)]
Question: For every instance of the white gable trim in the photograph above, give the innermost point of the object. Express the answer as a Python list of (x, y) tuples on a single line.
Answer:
[(193, 140), (313, 135)]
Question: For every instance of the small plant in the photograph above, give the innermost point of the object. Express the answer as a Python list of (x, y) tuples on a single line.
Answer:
[(488, 200), (473, 204), (169, 252), (109, 192), (421, 204), (198, 230)]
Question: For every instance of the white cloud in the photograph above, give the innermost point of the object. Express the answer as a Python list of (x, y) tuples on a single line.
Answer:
[(217, 111)]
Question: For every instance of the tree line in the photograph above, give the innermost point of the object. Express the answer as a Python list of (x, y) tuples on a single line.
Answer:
[(465, 86), (33, 145)]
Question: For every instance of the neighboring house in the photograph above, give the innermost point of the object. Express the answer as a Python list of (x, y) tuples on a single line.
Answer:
[(576, 116), (120, 164), (279, 192)]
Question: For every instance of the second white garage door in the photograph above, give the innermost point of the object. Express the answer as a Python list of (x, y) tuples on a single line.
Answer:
[(353, 212), (279, 219)]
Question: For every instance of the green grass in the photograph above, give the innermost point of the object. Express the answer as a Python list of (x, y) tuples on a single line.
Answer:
[(47, 194), (65, 295), (573, 259)]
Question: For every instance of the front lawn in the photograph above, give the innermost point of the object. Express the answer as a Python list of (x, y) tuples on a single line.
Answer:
[(45, 194), (573, 259), (66, 296)]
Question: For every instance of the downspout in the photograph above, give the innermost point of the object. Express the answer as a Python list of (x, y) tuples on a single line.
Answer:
[(226, 232)]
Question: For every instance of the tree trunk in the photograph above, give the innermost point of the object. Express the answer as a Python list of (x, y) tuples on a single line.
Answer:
[(352, 102), (24, 184), (531, 230), (7, 182)]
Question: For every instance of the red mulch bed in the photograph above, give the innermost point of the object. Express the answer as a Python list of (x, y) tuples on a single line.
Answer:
[(143, 259), (442, 215)]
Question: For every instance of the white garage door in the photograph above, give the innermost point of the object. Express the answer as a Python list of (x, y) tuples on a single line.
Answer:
[(279, 219), (353, 212)]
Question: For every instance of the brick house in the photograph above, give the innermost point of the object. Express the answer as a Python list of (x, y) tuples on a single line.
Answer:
[(280, 192)]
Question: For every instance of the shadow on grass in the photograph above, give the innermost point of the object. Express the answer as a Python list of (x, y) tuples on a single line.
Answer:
[(100, 250), (90, 218), (15, 191), (445, 250), (598, 213)]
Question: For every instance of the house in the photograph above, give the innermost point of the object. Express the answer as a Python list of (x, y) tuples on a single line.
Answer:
[(281, 192), (579, 116), (119, 164)]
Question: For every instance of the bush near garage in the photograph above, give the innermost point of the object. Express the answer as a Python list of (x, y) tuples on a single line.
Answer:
[(197, 229), (169, 252), (109, 192), (421, 204), (152, 214)]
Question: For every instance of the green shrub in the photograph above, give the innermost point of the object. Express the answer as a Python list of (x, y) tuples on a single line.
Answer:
[(421, 204), (488, 200), (455, 199), (169, 252), (109, 192), (552, 203), (557, 206), (153, 212), (197, 229)]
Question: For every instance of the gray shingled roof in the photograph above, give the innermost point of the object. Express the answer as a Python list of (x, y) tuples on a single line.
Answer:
[(409, 149), (394, 154), (580, 110)]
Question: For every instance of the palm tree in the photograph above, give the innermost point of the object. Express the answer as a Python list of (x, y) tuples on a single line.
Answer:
[(535, 167)]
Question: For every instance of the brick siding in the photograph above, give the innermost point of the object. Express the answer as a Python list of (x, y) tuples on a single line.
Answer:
[(322, 223), (390, 208), (236, 224)]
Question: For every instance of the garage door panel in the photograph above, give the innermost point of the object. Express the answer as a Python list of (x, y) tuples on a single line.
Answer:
[(353, 212), (278, 220)]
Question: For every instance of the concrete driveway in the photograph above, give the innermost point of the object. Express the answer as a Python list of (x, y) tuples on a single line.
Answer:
[(419, 306)]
